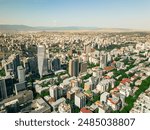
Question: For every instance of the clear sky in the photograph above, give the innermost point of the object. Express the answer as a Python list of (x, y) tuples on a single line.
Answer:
[(95, 13)]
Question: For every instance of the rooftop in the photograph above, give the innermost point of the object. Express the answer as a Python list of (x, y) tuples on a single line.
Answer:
[(85, 110), (109, 68)]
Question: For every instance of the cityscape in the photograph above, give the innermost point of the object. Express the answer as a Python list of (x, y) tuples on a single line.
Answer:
[(74, 69)]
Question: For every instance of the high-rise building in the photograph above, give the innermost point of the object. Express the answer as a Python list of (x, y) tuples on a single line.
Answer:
[(3, 93), (42, 61), (56, 64), (103, 60), (6, 87), (11, 65), (20, 86), (54, 92), (87, 48), (71, 67), (26, 65), (49, 63), (80, 100), (74, 67), (60, 92), (33, 66), (16, 63), (82, 67), (21, 73), (109, 58), (70, 95)]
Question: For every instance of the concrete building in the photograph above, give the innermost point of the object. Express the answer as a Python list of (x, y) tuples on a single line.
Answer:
[(70, 95), (115, 103), (6, 87), (87, 48), (21, 73), (105, 85), (53, 90), (56, 65), (33, 65), (3, 93), (74, 67), (21, 101), (104, 96), (101, 110), (88, 86), (142, 104), (64, 108), (42, 61), (82, 67), (56, 104), (40, 106), (20, 86), (103, 60), (11, 65), (80, 99)]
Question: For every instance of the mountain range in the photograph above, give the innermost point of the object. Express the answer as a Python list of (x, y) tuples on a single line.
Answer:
[(44, 28)]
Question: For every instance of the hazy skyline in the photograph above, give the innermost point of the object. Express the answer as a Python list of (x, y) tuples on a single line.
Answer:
[(132, 14)]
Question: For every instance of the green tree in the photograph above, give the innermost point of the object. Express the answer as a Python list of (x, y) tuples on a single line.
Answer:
[(2, 72), (131, 99)]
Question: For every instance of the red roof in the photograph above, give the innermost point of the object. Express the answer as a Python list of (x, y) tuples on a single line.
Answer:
[(107, 77), (85, 110), (116, 89), (125, 80), (112, 101), (109, 68)]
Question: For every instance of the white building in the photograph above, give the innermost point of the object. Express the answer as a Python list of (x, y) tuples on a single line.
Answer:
[(114, 103), (101, 110), (21, 73), (104, 96), (80, 100), (103, 60), (125, 90), (142, 104), (56, 104), (42, 61), (54, 91), (64, 108), (105, 84)]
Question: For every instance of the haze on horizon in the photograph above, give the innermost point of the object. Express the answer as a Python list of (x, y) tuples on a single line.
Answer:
[(133, 14)]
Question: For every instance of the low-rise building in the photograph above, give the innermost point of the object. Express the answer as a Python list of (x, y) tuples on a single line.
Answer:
[(64, 108)]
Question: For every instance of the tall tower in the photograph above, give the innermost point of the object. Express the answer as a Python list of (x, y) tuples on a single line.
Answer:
[(80, 99), (56, 64), (21, 73), (42, 61), (3, 92), (82, 67), (16, 63), (54, 92), (87, 48), (74, 67), (71, 67), (6, 87), (103, 60)]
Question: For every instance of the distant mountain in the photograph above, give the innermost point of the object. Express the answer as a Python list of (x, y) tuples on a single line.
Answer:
[(116, 30), (24, 28), (67, 28), (42, 28), (15, 27)]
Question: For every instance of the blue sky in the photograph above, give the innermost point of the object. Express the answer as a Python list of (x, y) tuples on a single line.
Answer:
[(97, 13)]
